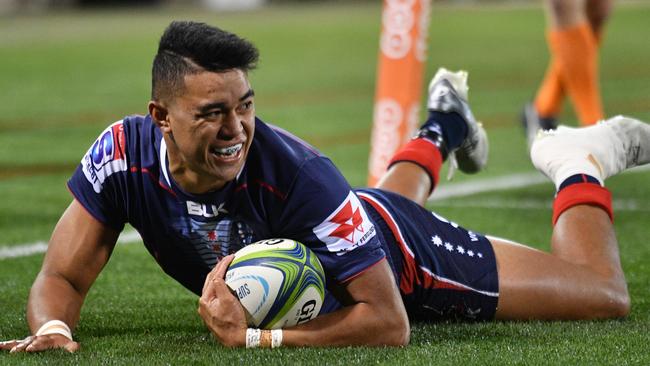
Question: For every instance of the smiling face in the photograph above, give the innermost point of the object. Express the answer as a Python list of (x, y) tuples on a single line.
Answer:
[(208, 129)]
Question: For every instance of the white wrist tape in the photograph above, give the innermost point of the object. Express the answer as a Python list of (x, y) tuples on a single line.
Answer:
[(253, 337), (276, 338), (55, 327)]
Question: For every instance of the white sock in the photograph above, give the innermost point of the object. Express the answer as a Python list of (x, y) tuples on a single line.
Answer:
[(574, 166)]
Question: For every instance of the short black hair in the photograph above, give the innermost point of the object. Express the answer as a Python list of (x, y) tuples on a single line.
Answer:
[(190, 47)]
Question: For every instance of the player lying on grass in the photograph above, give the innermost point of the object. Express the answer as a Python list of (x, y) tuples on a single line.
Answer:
[(200, 176)]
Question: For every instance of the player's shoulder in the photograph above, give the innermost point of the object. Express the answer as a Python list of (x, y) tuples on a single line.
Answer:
[(277, 154), (288, 166), (138, 127), (274, 142), (117, 147), (125, 137)]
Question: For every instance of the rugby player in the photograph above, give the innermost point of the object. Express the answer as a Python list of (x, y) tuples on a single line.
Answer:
[(201, 176), (574, 34)]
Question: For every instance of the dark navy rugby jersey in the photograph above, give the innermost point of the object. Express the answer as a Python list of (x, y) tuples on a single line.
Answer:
[(286, 189)]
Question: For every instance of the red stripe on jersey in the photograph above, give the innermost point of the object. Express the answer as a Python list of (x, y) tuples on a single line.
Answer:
[(135, 169), (119, 141), (244, 186), (241, 187), (409, 269), (431, 281), (272, 189)]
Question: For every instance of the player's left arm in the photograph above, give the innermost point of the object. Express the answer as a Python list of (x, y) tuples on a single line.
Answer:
[(376, 317)]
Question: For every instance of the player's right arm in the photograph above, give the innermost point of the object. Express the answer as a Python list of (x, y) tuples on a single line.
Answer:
[(376, 317), (79, 248)]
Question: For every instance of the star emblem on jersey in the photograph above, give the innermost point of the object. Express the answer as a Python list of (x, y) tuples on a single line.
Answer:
[(436, 240), (212, 235), (215, 238), (347, 227), (454, 248)]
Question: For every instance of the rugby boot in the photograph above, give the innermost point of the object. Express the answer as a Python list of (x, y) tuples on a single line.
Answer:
[(532, 123), (448, 94), (601, 150)]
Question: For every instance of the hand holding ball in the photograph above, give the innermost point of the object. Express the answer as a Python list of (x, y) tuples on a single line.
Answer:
[(279, 282)]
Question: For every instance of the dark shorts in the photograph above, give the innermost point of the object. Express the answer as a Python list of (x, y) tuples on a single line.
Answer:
[(443, 270)]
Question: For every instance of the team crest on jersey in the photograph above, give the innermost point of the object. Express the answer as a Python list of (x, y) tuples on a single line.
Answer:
[(348, 227), (106, 156), (216, 239)]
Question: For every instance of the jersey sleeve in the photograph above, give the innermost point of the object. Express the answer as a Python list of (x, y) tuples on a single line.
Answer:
[(325, 214), (99, 180)]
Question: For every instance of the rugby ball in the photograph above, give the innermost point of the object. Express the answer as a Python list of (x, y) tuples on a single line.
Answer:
[(279, 282)]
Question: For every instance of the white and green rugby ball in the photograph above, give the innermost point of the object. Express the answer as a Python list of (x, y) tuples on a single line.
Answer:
[(279, 282)]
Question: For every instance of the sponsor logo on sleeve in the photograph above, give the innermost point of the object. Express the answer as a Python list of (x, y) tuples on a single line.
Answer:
[(106, 156), (347, 228)]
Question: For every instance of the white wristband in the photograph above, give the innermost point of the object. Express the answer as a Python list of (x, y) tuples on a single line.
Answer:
[(276, 338), (253, 337), (55, 327)]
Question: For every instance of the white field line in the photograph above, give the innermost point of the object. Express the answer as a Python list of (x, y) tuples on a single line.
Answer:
[(501, 183), (505, 182), (39, 247), (630, 205), (487, 184)]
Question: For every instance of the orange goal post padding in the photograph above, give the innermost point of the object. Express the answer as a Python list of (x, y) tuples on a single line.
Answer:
[(402, 56)]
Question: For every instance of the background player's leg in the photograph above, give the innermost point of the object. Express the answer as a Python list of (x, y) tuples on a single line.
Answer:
[(565, 13), (597, 13), (548, 101), (581, 279), (574, 46)]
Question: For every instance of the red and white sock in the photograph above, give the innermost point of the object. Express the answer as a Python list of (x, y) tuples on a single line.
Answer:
[(424, 153), (582, 189)]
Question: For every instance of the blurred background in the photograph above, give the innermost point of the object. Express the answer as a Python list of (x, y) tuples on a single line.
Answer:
[(69, 68), (13, 6)]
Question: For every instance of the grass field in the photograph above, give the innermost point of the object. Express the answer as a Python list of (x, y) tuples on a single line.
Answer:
[(64, 77)]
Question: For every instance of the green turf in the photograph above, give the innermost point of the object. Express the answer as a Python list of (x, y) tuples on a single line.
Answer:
[(65, 76)]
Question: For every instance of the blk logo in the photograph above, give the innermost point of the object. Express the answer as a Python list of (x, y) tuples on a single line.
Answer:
[(202, 209)]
